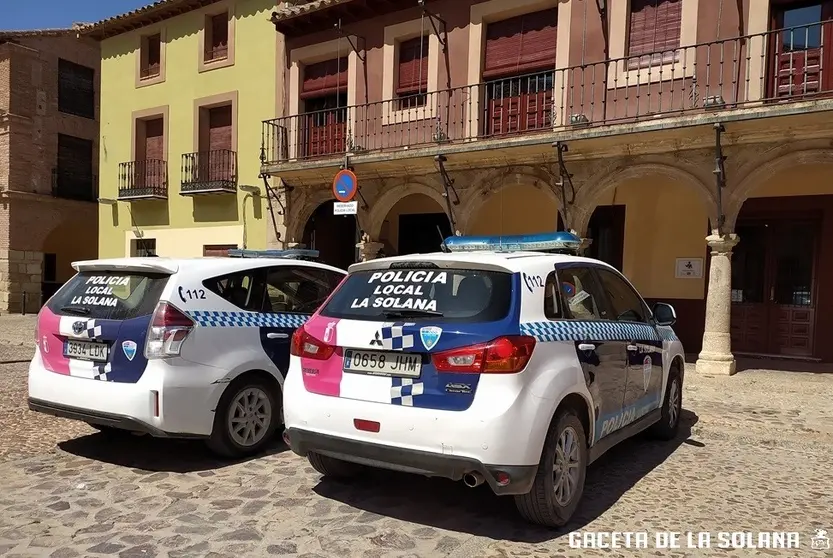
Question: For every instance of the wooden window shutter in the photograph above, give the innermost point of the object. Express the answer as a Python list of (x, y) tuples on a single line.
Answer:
[(521, 45), (219, 37), (219, 128), (413, 66), (654, 27), (325, 78), (155, 139)]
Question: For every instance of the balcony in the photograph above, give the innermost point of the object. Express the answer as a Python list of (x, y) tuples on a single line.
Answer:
[(769, 71), (143, 180), (209, 172), (73, 186)]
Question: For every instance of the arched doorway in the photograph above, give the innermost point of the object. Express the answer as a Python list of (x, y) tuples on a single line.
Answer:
[(334, 236), (783, 262), (517, 209), (416, 224)]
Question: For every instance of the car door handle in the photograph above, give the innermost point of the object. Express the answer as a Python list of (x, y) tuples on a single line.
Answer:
[(633, 348), (586, 347), (277, 336)]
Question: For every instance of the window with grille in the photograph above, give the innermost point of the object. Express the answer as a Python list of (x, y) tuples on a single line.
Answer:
[(412, 80), (76, 89), (654, 32), (74, 177)]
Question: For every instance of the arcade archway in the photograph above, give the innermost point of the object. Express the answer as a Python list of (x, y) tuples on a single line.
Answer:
[(334, 236)]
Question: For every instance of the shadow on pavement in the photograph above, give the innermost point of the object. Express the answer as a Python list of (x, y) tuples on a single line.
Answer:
[(156, 454), (452, 506)]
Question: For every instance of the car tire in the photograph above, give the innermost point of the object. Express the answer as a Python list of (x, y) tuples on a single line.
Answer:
[(255, 397), (672, 406), (332, 467), (544, 504)]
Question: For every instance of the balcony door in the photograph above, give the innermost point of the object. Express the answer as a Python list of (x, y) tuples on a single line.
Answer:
[(216, 156), (149, 170), (519, 64), (801, 51), (323, 126), (773, 286)]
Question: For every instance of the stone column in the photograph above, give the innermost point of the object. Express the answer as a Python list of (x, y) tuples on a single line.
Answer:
[(368, 248), (716, 357)]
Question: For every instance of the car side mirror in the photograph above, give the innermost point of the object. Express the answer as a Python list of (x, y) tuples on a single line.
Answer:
[(664, 314)]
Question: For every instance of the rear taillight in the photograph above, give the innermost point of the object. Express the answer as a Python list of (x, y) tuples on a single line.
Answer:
[(168, 330), (306, 346), (504, 355)]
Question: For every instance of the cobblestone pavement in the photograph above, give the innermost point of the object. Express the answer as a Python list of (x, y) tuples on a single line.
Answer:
[(754, 455)]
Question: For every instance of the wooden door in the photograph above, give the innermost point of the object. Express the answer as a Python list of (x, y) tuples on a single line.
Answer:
[(773, 287), (520, 104), (325, 126), (151, 171), (215, 165), (800, 52)]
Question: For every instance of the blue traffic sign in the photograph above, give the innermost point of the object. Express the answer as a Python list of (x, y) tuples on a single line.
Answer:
[(345, 185)]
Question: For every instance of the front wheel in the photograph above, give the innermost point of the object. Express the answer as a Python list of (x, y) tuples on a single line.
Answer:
[(672, 407), (246, 418), (559, 482)]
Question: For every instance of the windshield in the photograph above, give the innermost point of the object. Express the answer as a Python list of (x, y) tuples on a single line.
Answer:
[(109, 295), (456, 295)]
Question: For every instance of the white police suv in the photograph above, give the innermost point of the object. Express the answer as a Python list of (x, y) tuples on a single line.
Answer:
[(502, 360), (190, 348)]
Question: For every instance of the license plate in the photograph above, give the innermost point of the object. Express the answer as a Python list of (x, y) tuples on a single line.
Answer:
[(382, 364), (86, 351)]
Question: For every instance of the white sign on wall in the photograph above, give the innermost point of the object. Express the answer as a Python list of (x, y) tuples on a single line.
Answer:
[(346, 208), (689, 268)]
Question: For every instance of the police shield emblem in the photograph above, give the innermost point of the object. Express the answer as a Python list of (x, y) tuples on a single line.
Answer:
[(129, 348), (430, 336)]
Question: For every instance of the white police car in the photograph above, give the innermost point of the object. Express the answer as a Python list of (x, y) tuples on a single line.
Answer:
[(488, 363), (194, 348)]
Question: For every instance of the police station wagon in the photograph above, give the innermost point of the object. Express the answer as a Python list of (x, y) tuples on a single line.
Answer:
[(508, 361), (186, 348)]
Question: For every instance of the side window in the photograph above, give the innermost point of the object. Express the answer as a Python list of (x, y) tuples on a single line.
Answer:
[(627, 306), (243, 289), (552, 302), (582, 294), (297, 289)]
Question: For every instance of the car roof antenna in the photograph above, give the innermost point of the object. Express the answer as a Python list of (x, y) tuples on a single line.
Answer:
[(443, 247)]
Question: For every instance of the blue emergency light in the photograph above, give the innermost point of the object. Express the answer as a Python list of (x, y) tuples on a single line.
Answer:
[(559, 242), (292, 254)]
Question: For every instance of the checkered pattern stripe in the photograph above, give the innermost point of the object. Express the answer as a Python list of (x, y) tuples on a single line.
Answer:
[(566, 330), (667, 334), (403, 391), (101, 371), (90, 331), (206, 318), (392, 337)]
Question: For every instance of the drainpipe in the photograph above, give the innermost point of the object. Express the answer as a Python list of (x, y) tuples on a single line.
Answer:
[(601, 6)]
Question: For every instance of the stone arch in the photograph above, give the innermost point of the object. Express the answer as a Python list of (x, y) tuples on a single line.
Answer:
[(380, 208), (495, 181), (301, 209), (591, 190), (766, 168)]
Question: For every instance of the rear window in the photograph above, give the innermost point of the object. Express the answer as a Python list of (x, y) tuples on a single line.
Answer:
[(109, 295), (456, 295)]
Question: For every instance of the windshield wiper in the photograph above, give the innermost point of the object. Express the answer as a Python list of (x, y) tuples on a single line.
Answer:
[(78, 310), (411, 313)]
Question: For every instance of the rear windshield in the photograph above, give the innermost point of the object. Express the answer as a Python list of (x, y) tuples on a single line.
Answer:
[(109, 295), (461, 295)]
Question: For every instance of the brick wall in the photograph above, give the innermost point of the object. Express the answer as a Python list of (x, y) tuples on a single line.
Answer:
[(32, 222)]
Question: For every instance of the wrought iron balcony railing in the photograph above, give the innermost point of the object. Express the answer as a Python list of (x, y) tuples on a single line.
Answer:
[(209, 172), (145, 179), (782, 66)]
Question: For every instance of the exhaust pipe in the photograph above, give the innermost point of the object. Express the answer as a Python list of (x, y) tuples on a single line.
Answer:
[(473, 479)]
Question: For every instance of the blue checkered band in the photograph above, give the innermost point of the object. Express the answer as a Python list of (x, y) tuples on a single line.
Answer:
[(667, 333), (206, 318), (601, 330)]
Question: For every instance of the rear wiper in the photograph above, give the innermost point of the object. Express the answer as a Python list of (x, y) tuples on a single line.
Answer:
[(411, 313), (78, 310)]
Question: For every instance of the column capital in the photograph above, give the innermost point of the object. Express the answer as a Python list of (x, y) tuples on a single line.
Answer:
[(722, 244)]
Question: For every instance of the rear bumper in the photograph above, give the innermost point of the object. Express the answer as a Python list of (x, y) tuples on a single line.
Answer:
[(103, 419), (302, 442)]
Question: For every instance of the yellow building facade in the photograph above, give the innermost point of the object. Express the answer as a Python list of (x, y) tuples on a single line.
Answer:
[(182, 98)]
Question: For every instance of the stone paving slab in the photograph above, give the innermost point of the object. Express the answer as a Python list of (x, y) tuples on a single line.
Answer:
[(754, 455)]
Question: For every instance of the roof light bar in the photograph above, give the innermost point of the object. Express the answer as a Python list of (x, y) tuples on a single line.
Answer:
[(561, 241), (293, 254)]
